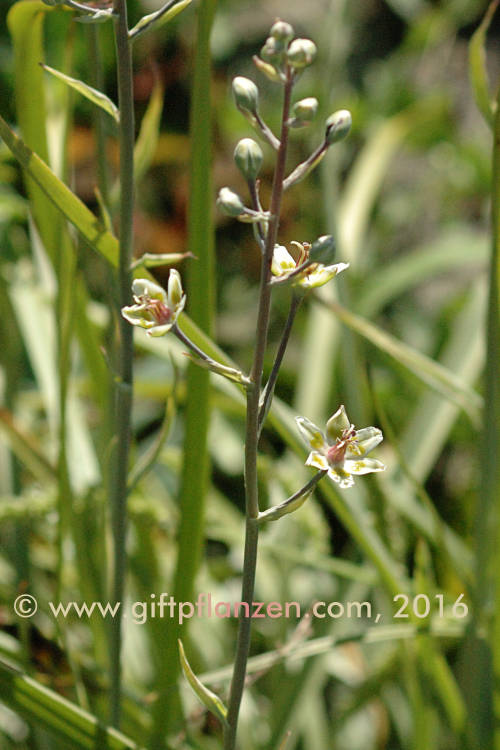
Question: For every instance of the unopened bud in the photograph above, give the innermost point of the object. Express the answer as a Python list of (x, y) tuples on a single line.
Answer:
[(323, 250), (273, 50), (248, 157), (338, 126), (230, 202), (268, 70), (281, 31), (303, 112), (246, 94), (301, 53)]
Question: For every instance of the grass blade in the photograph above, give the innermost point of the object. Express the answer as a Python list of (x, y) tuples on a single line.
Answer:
[(58, 716), (94, 96)]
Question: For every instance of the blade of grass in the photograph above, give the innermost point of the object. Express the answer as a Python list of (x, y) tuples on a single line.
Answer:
[(200, 291), (58, 716), (432, 373)]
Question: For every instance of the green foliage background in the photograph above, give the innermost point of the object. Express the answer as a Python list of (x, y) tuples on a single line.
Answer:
[(400, 341)]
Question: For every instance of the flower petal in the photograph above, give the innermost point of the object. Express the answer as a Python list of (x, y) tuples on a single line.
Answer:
[(160, 330), (311, 434), (337, 423), (282, 261), (321, 275), (366, 440), (343, 478), (138, 316), (175, 294), (363, 466), (318, 460), (147, 288)]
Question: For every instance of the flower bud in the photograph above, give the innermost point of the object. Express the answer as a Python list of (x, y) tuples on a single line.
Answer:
[(323, 249), (303, 112), (301, 53), (248, 157), (230, 202), (267, 69), (281, 31), (246, 94), (338, 126), (272, 51)]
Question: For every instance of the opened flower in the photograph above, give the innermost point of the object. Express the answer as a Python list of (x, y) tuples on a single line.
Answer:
[(155, 309), (343, 450), (302, 272)]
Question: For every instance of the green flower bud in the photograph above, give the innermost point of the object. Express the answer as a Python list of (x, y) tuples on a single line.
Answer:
[(301, 53), (323, 249), (281, 31), (338, 126), (246, 94), (248, 157), (268, 70), (303, 112), (272, 51), (230, 202)]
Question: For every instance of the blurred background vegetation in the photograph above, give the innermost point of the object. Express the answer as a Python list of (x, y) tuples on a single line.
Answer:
[(407, 198)]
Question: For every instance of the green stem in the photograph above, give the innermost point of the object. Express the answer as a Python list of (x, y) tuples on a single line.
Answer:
[(491, 435), (123, 404), (267, 396), (252, 430), (97, 80)]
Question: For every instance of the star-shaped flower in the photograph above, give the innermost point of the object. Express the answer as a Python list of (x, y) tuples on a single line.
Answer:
[(343, 450), (285, 267), (155, 309)]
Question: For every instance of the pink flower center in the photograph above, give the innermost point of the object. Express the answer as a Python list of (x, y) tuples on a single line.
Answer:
[(335, 454), (159, 311)]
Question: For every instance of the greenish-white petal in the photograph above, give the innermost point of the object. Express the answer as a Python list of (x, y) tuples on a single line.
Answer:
[(159, 330), (363, 466), (366, 440), (341, 477), (337, 423), (147, 288), (311, 434), (321, 275), (175, 293), (282, 261), (318, 460)]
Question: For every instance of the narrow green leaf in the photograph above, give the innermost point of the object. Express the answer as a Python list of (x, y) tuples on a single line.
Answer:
[(61, 196), (25, 448), (478, 71), (158, 18), (147, 140), (430, 372), (153, 260), (76, 727), (201, 293), (149, 457), (96, 97), (209, 699)]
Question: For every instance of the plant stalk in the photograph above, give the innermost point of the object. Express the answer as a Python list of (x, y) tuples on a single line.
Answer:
[(285, 336), (123, 392), (252, 430)]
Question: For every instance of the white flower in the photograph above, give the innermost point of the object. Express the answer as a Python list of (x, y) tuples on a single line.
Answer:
[(154, 309), (313, 275), (342, 451)]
